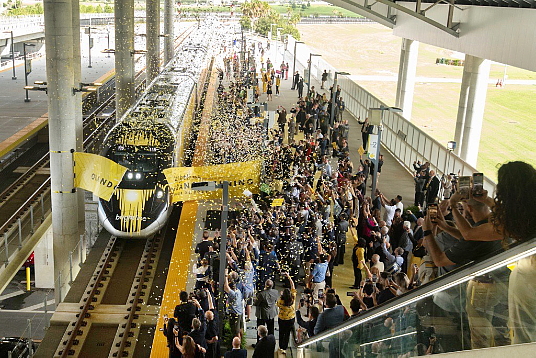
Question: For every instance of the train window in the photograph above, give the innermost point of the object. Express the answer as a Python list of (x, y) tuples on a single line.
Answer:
[(141, 162)]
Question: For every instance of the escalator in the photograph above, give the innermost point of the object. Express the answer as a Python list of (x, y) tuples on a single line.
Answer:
[(485, 304)]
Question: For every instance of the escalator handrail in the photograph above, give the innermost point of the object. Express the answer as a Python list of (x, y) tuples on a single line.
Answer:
[(456, 277)]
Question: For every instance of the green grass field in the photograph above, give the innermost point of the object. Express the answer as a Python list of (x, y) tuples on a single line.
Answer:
[(370, 49)]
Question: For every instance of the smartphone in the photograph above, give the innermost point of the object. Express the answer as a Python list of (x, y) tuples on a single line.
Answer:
[(351, 294), (464, 185), (432, 211), (320, 293), (478, 184)]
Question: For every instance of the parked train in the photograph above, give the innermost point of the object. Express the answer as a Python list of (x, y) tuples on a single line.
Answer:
[(152, 136)]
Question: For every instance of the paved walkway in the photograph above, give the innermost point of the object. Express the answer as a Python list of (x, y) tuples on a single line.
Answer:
[(394, 180)]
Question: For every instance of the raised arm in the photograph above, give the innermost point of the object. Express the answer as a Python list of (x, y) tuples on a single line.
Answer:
[(484, 232), (226, 287), (291, 282)]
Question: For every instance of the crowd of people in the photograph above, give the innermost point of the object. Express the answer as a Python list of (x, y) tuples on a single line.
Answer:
[(301, 241)]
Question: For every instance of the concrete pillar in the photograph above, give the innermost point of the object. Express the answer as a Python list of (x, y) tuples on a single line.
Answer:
[(476, 103), (169, 17), (153, 39), (462, 103), (79, 125), (62, 134), (124, 58), (405, 87)]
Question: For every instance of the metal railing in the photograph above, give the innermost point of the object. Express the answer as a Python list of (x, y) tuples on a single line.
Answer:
[(402, 138)]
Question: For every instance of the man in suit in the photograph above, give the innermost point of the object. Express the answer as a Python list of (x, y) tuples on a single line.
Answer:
[(185, 312), (332, 315), (432, 188), (211, 336), (266, 345), (236, 352), (265, 303), (203, 247)]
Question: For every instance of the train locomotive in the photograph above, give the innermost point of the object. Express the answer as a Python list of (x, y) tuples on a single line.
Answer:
[(152, 136)]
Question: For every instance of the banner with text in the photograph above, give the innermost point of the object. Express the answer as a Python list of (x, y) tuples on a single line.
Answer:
[(241, 176), (97, 174)]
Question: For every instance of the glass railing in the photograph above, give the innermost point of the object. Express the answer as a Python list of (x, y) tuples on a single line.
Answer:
[(489, 303)]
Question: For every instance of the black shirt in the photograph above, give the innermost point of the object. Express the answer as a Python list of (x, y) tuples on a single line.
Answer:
[(385, 295), (185, 313), (464, 251), (202, 247)]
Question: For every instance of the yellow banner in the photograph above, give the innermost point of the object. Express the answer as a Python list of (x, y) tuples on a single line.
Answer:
[(97, 174), (278, 202), (241, 176)]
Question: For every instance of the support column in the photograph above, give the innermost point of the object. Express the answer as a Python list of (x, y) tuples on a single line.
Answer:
[(462, 104), (474, 114), (78, 119), (405, 88), (153, 39), (169, 17), (62, 133), (124, 58)]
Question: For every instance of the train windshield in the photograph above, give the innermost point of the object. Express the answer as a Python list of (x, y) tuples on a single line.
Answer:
[(145, 162)]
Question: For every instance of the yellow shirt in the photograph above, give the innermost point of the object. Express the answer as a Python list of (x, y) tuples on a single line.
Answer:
[(287, 312)]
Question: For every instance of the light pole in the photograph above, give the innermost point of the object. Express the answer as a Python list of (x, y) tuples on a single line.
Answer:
[(26, 70), (90, 41), (294, 64), (211, 186), (451, 145), (309, 72), (378, 125), (108, 39), (277, 35), (14, 77), (270, 37)]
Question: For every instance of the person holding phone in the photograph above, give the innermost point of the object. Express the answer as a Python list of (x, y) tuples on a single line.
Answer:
[(287, 314), (170, 328)]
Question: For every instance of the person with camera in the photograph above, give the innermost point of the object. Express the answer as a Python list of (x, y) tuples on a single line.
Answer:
[(185, 312), (332, 315), (486, 291), (393, 263), (318, 275), (313, 313), (235, 307), (170, 327)]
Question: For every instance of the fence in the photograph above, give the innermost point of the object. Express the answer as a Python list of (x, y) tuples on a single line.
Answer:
[(403, 139)]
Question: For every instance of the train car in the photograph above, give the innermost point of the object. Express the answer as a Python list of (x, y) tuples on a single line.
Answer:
[(152, 136)]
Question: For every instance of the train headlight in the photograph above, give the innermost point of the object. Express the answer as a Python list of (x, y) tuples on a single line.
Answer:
[(159, 194), (130, 175), (138, 176)]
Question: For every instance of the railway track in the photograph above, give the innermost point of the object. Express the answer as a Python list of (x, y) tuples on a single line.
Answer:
[(113, 300)]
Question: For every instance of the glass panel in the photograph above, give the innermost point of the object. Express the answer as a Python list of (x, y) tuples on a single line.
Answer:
[(489, 309)]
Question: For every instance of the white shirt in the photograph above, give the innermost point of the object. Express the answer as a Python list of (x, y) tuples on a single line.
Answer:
[(400, 206), (389, 214)]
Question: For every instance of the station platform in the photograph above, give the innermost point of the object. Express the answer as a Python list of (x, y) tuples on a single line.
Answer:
[(22, 120)]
